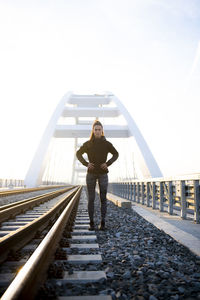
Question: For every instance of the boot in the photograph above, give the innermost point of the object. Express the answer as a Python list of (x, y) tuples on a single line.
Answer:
[(102, 225), (91, 227)]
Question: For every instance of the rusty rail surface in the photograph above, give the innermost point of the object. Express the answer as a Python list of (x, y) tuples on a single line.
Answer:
[(33, 274)]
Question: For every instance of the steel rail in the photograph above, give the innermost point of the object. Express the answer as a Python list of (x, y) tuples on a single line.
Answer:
[(33, 274), (28, 190), (28, 199), (11, 210), (20, 237)]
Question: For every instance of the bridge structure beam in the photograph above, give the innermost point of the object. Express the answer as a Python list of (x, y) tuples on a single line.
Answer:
[(85, 109)]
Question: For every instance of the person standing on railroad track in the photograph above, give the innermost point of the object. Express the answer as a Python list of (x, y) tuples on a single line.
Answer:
[(97, 149)]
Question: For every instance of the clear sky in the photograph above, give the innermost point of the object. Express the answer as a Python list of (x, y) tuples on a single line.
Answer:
[(147, 52)]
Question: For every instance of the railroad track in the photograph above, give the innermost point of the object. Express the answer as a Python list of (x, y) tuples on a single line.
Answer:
[(12, 209), (58, 252), (32, 217), (27, 190), (21, 220)]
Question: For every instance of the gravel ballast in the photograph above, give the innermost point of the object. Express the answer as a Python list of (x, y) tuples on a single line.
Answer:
[(140, 261)]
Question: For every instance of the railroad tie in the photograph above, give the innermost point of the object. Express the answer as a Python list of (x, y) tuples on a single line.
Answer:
[(83, 240), (25, 218)]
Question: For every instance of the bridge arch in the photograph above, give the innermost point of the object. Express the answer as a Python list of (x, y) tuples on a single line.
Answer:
[(89, 106)]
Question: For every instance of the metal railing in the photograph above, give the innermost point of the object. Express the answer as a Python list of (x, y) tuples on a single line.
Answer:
[(173, 196), (11, 183), (15, 183)]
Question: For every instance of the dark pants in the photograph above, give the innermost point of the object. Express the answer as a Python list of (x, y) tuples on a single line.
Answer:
[(103, 185)]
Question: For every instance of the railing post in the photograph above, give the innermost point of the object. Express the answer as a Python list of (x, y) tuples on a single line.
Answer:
[(134, 192), (161, 197), (170, 198), (128, 191), (148, 194), (131, 191), (125, 190), (153, 195), (119, 189), (142, 192), (196, 202), (138, 192), (116, 189), (183, 200)]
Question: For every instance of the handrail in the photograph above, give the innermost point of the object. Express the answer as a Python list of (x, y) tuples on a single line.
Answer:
[(33, 273), (173, 195)]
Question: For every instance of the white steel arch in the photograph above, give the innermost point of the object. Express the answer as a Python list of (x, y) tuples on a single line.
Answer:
[(149, 166), (88, 106)]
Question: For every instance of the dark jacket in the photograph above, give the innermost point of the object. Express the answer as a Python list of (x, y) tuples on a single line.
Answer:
[(97, 151)]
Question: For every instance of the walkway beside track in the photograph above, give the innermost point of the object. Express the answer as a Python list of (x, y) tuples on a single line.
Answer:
[(185, 232)]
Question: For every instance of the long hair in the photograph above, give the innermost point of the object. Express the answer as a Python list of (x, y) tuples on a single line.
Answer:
[(96, 122)]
